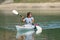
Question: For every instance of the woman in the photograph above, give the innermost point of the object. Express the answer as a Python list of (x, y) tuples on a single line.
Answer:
[(28, 20)]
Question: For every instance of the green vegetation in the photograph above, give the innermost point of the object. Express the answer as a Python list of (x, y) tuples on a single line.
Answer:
[(16, 1), (35, 1)]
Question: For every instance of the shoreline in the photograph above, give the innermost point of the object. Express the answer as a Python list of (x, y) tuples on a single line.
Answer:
[(37, 8)]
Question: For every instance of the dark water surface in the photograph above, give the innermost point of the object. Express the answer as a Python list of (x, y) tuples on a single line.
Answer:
[(50, 25)]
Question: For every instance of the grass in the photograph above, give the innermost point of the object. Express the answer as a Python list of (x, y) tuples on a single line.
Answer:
[(35, 1)]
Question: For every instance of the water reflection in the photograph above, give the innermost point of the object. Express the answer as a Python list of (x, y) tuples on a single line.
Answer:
[(24, 34)]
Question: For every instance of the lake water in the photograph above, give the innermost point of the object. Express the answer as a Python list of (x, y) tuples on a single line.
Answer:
[(50, 25)]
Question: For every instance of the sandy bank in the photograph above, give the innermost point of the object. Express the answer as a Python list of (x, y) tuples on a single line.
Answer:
[(41, 8)]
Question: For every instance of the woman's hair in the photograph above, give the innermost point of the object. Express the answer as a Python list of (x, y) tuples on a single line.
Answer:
[(28, 14)]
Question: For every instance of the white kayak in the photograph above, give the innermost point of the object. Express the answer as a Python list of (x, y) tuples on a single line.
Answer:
[(27, 29)]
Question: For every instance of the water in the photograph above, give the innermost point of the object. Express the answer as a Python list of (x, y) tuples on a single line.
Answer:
[(50, 25)]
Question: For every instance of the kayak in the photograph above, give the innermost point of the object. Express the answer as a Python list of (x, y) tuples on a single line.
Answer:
[(28, 29)]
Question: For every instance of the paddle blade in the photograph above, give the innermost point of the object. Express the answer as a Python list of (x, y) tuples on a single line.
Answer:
[(15, 12)]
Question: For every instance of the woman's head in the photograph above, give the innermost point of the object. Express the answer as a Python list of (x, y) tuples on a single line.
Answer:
[(29, 14)]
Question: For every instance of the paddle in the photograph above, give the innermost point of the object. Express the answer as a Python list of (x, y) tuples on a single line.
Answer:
[(16, 13)]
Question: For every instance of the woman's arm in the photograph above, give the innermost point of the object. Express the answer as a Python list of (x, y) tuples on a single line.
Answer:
[(33, 21)]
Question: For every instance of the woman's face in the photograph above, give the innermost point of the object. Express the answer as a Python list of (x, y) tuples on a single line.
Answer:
[(30, 15)]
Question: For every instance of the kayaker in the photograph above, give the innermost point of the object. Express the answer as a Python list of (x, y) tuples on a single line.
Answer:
[(28, 20)]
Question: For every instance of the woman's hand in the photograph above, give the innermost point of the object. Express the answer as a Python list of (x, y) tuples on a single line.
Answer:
[(22, 17)]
